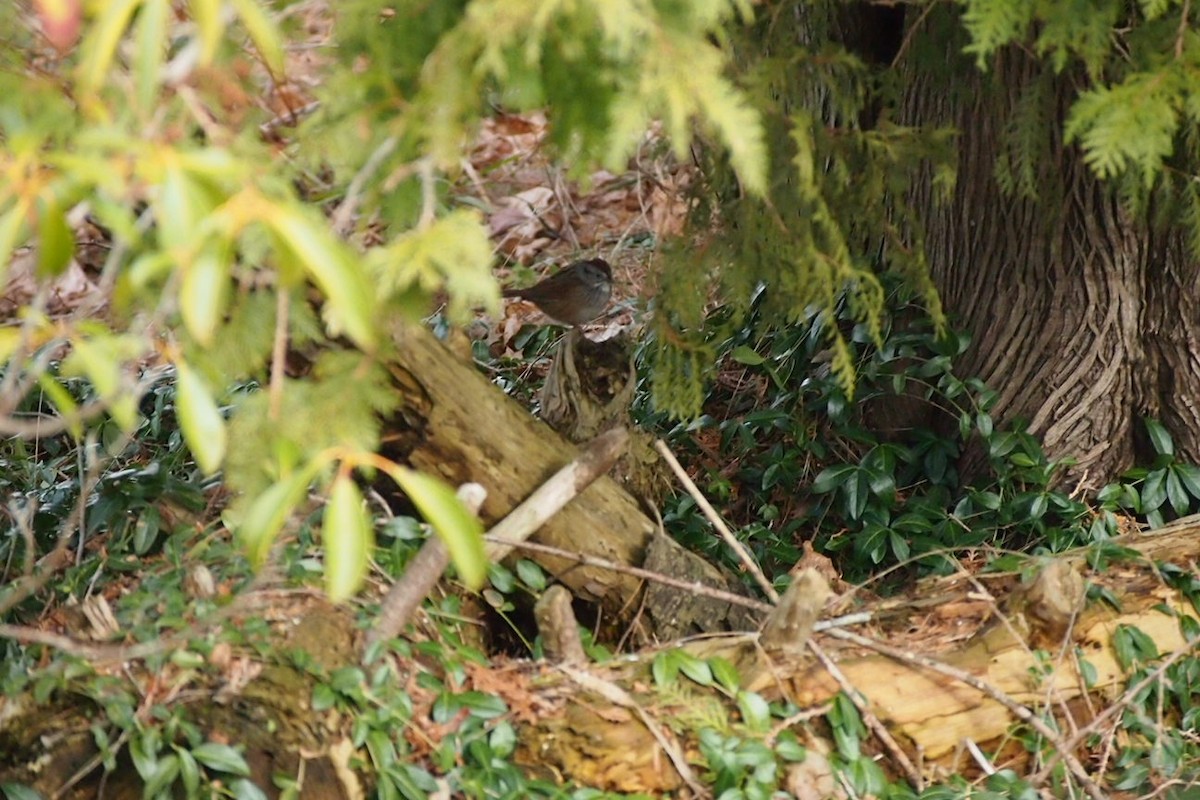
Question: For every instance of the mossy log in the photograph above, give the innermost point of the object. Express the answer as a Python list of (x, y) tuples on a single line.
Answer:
[(456, 424)]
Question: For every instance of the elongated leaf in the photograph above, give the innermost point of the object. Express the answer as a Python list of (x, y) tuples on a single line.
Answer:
[(150, 51), (62, 400), (342, 281), (1159, 438), (460, 530), (348, 538), (202, 295), (178, 208), (200, 419), (262, 32), (207, 16), (268, 512), (56, 241), (100, 46), (221, 757)]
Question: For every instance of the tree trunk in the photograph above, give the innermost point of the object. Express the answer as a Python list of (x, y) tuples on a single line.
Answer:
[(1082, 318)]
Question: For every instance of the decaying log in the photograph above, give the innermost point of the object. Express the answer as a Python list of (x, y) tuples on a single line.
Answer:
[(1008, 657), (456, 424)]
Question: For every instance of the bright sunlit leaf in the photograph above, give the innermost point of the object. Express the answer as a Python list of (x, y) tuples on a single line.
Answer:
[(461, 530), (266, 515), (202, 295), (348, 538), (100, 46), (200, 419)]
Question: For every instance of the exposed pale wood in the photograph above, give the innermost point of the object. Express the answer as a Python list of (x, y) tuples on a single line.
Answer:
[(457, 425), (932, 715)]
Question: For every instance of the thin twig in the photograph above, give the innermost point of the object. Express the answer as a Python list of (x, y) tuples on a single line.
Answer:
[(619, 697), (1018, 710), (278, 353), (349, 205), (414, 586), (1118, 707), (596, 459), (692, 587), (711, 513), (868, 717)]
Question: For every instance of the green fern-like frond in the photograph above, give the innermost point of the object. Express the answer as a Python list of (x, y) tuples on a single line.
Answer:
[(993, 24), (1131, 125)]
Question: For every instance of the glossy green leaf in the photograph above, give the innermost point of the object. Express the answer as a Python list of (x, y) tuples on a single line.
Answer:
[(189, 771), (165, 772), (664, 668), (348, 538), (56, 241), (746, 355), (246, 789), (200, 419), (725, 673), (461, 530), (203, 295), (221, 757), (1189, 475), (18, 791), (1160, 439), (756, 714), (695, 668)]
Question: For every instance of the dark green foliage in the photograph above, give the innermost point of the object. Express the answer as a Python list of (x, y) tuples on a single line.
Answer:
[(792, 459)]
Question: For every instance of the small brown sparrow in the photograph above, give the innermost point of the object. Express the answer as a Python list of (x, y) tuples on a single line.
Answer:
[(573, 295)]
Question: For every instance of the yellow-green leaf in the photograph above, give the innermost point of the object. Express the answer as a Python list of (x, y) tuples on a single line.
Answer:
[(100, 46), (150, 50), (56, 241), (202, 295), (179, 206), (199, 418), (262, 32), (342, 279), (348, 538), (207, 16), (266, 515), (459, 528)]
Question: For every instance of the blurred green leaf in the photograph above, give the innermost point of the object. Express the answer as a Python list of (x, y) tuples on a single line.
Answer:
[(199, 419), (150, 46), (461, 530), (56, 241), (267, 513), (341, 279), (348, 539), (202, 294), (100, 45), (263, 33), (207, 16)]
